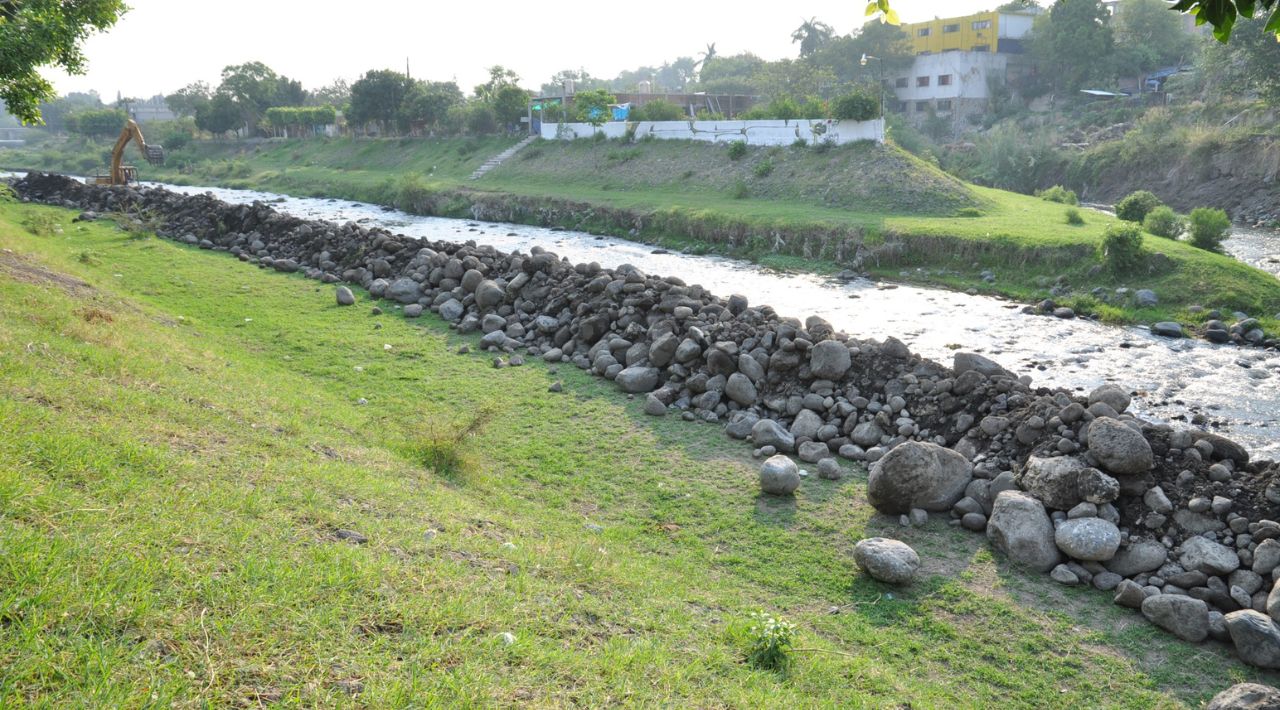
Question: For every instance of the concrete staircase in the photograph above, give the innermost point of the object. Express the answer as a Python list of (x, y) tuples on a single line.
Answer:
[(496, 160)]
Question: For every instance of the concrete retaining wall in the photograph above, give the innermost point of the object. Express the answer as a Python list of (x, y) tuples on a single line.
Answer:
[(752, 132)]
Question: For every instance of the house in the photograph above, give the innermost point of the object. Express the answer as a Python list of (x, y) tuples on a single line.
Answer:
[(959, 62)]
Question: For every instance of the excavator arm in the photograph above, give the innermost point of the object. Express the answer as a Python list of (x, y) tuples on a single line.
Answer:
[(121, 173)]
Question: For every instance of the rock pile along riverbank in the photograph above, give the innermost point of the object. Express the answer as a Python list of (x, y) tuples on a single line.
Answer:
[(1180, 524)]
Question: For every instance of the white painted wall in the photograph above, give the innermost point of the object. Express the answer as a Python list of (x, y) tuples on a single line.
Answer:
[(1015, 26), (752, 132), (968, 72)]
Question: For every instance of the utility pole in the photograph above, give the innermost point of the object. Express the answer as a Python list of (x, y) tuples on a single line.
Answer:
[(880, 62)]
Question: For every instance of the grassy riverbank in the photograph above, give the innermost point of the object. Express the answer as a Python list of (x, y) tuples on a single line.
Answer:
[(793, 207), (184, 449)]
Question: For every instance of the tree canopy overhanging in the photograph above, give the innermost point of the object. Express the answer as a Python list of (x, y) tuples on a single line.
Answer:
[(36, 33)]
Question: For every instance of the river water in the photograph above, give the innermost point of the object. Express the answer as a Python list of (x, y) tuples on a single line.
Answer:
[(1237, 390)]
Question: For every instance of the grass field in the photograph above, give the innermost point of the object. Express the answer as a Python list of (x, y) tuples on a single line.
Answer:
[(184, 457), (881, 190)]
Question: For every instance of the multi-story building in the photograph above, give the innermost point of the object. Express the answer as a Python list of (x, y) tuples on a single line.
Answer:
[(958, 62)]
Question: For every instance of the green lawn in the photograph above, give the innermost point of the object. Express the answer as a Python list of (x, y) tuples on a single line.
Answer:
[(182, 444)]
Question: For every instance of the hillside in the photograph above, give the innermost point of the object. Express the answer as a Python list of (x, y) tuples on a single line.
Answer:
[(223, 489)]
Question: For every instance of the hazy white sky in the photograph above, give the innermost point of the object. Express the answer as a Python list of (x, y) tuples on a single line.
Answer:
[(161, 45)]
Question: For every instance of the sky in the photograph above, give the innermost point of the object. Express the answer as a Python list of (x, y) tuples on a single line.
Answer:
[(163, 45)]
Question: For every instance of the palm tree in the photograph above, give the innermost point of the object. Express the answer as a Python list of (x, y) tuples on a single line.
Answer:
[(707, 56), (812, 34)]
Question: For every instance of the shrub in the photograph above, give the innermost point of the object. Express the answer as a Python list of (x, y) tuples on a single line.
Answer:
[(740, 190), (763, 169), (1164, 222), (1058, 193), (1209, 227), (42, 224), (1136, 205), (771, 641), (446, 447), (859, 105), (1074, 217), (737, 149), (659, 110), (1122, 247), (968, 212)]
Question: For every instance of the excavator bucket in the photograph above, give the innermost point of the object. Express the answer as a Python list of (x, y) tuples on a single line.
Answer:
[(155, 154)]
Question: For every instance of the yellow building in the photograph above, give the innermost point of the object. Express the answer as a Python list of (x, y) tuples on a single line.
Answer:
[(981, 32)]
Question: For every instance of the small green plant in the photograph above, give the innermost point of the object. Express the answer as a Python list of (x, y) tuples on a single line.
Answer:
[(531, 154), (1135, 206), (968, 212), (7, 194), (622, 156), (1058, 193), (771, 641), (799, 143), (823, 146), (444, 447), (1121, 248), (42, 224), (737, 149), (1164, 222), (860, 105), (1074, 217), (762, 170), (1209, 227), (740, 190)]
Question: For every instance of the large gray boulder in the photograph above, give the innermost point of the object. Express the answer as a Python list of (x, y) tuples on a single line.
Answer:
[(1055, 481), (489, 295), (740, 389), (768, 432), (345, 296), (404, 290), (829, 360), (1118, 448), (1089, 539), (452, 310), (1256, 637), (779, 476), (890, 561), (917, 474), (1246, 696), (637, 379), (964, 362), (1212, 558), (1112, 395), (1182, 616), (806, 424), (866, 434), (1137, 557), (1021, 529)]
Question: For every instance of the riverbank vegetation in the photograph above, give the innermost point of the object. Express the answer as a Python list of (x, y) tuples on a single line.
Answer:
[(217, 493)]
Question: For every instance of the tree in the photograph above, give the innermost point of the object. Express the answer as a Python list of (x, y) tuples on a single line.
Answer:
[(499, 76), (56, 112), (218, 115), (509, 104), (1148, 36), (1075, 39), (812, 34), (97, 123), (289, 92), (186, 100), (254, 87), (793, 77), (376, 97), (1247, 65), (1222, 14), (37, 33), (427, 103), (336, 93), (593, 106), (889, 44), (730, 75)]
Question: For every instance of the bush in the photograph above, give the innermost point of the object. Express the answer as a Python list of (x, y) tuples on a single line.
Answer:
[(968, 212), (1058, 193), (771, 640), (859, 105), (1209, 227), (1074, 217), (762, 170), (1136, 205), (659, 110), (740, 191), (737, 149), (1122, 247), (1164, 222)]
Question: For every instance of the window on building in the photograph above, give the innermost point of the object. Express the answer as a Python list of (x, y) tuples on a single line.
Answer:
[(922, 106), (944, 80), (900, 106), (982, 48), (922, 81), (900, 82), (948, 29), (944, 104), (982, 25), (922, 32)]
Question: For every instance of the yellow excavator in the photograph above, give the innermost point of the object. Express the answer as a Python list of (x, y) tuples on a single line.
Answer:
[(122, 174)]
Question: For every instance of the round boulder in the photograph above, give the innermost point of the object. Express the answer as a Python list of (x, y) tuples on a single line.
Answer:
[(345, 296), (1021, 529), (1118, 448), (1115, 397), (1182, 616), (829, 360), (889, 561), (489, 294), (1055, 481), (1256, 637), (916, 474), (1246, 696), (740, 389), (779, 476), (1089, 539), (636, 380)]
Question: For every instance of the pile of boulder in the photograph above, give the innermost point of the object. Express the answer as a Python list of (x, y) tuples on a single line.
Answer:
[(1178, 523)]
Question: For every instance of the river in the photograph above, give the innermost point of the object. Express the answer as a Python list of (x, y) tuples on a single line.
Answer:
[(1237, 390)]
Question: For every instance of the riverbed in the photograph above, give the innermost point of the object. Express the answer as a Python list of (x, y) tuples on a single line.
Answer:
[(1236, 390)]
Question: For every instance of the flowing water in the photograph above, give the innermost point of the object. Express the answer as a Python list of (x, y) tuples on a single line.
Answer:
[(1236, 388)]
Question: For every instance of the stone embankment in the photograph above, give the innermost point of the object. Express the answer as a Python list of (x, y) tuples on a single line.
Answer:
[(1179, 524)]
